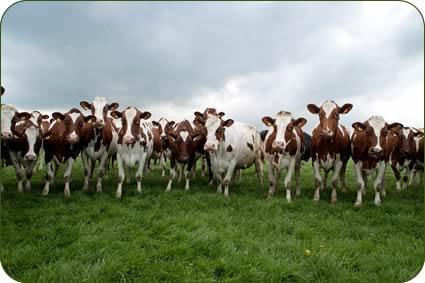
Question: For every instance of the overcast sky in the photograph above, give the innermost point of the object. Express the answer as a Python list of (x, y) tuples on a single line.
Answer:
[(246, 59)]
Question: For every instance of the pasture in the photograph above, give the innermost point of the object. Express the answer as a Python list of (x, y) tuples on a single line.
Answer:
[(201, 236)]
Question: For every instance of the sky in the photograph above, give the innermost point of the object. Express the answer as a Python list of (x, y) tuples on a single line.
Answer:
[(248, 60)]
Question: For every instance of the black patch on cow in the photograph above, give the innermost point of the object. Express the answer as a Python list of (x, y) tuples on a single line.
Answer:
[(98, 140), (276, 158), (251, 147), (229, 148)]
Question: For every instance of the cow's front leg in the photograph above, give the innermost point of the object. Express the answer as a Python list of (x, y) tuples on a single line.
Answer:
[(121, 175), (378, 181), (67, 175), (180, 169), (271, 179), (18, 170), (397, 177), (360, 182), (139, 173), (317, 179), (101, 171), (335, 178), (49, 177), (29, 170), (258, 169), (408, 175), (228, 177), (342, 176), (382, 189), (202, 166), (87, 171), (298, 177), (189, 168), (172, 174), (288, 178), (163, 164)]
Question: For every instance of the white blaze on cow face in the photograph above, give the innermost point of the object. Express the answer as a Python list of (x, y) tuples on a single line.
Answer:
[(406, 132), (99, 104), (130, 115), (34, 117), (377, 123), (32, 133), (328, 106), (184, 135), (163, 123), (7, 114), (282, 122), (74, 116), (212, 124)]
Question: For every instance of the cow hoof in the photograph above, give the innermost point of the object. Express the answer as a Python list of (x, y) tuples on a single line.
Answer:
[(99, 189), (357, 204), (333, 200), (226, 195), (167, 190), (377, 203), (288, 200), (118, 196), (269, 197), (45, 192), (297, 193), (85, 189)]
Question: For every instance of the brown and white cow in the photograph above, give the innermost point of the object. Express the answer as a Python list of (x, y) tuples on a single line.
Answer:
[(402, 155), (183, 142), (43, 122), (135, 144), (284, 146), (330, 146), (370, 153), (231, 145), (62, 145), (99, 139), (419, 146), (162, 149)]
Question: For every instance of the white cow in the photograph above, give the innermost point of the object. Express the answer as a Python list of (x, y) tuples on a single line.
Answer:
[(231, 145)]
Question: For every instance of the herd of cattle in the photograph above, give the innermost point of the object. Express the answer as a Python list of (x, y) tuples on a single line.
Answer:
[(225, 145)]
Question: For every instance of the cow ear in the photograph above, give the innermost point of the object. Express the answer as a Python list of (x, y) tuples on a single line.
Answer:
[(228, 123), (89, 119), (221, 114), (345, 108), (198, 122), (300, 122), (85, 105), (155, 123), (171, 124), (198, 114), (268, 121), (196, 137), (23, 115), (58, 116), (394, 127), (45, 117), (418, 134), (116, 114), (146, 115), (113, 106), (313, 108), (171, 136), (359, 126)]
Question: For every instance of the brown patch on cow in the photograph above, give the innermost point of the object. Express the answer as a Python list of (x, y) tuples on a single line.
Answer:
[(229, 148), (251, 147)]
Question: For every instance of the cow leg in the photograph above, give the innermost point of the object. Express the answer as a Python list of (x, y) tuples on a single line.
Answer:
[(41, 157), (288, 178), (360, 182), (67, 176), (139, 172), (317, 179), (163, 164), (271, 179), (298, 177), (408, 175), (29, 171), (377, 185), (180, 169), (342, 176), (335, 177), (172, 174), (87, 171), (325, 181), (128, 174), (193, 170), (238, 175), (258, 169), (228, 177), (382, 189), (190, 167), (364, 175), (101, 171), (202, 166), (397, 177), (121, 175), (49, 177), (18, 170)]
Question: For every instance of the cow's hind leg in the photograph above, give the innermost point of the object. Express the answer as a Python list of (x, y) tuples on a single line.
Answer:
[(259, 169), (271, 180), (288, 179), (377, 185), (397, 177), (298, 177), (228, 177)]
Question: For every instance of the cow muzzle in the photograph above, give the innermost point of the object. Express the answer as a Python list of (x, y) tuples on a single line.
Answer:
[(405, 152), (279, 145), (6, 135), (128, 140), (376, 152), (210, 147), (327, 133), (30, 157), (99, 124), (73, 138)]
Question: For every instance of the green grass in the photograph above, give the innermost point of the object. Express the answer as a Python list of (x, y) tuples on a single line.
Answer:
[(201, 236)]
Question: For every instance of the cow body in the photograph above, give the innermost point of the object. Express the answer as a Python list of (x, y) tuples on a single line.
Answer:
[(284, 145), (135, 144), (330, 146), (231, 145), (99, 140), (370, 152)]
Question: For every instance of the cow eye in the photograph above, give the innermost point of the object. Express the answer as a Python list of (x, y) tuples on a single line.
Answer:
[(337, 116)]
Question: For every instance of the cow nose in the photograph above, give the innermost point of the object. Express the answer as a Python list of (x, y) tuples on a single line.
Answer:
[(377, 150), (404, 151), (128, 140), (327, 132), (30, 157), (6, 135), (184, 157), (278, 144), (210, 147)]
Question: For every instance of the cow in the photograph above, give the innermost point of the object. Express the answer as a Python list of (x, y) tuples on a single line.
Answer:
[(99, 139), (419, 146), (231, 145), (43, 122), (183, 143), (402, 155), (24, 147), (135, 144), (330, 146), (62, 145), (284, 145), (370, 153), (161, 144)]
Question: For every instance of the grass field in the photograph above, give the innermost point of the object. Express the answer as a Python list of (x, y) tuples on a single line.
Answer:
[(201, 236)]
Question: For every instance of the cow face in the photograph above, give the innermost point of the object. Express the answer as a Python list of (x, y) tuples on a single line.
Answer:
[(73, 121), (406, 141), (28, 129), (283, 130), (130, 119), (164, 127), (8, 119), (99, 109), (37, 118), (329, 116), (183, 141), (376, 131), (215, 128)]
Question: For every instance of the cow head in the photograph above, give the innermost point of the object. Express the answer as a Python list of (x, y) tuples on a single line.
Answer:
[(28, 129), (99, 109), (214, 129), (130, 120), (37, 118), (376, 131), (282, 129), (8, 119), (406, 141), (164, 127), (73, 121), (329, 116), (183, 141)]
